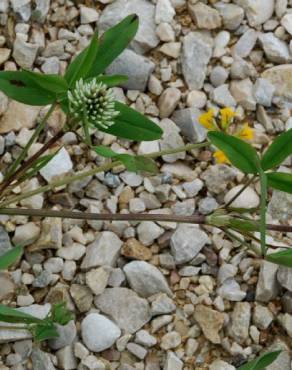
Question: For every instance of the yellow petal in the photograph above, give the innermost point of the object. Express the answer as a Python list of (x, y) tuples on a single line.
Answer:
[(246, 133), (227, 115), (220, 157), (207, 120)]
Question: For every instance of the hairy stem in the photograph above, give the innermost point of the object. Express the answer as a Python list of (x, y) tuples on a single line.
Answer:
[(69, 179)]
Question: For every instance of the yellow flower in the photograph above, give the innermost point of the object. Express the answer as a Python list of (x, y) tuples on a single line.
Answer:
[(207, 120), (246, 133), (212, 123), (220, 157), (227, 115)]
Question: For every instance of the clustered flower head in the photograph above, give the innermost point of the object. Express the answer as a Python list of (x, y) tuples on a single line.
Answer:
[(223, 122), (94, 102)]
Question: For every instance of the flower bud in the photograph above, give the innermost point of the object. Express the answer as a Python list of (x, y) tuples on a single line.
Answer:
[(94, 102)]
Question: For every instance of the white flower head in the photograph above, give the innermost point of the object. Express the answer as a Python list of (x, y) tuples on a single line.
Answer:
[(93, 100)]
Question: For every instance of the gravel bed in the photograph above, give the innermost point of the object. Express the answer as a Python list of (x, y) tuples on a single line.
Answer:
[(150, 296)]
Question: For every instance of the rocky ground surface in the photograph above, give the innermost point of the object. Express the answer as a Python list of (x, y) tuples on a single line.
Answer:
[(147, 295)]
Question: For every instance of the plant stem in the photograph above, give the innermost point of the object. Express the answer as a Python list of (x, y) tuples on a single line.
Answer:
[(196, 219), (264, 190), (184, 148), (29, 163), (57, 183), (11, 327), (85, 126), (86, 135), (69, 179), (240, 191), (279, 228), (25, 150)]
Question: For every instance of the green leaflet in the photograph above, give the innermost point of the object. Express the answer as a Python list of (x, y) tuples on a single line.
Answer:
[(14, 316), (131, 162), (240, 154), (52, 83), (280, 181), (138, 163), (105, 151), (7, 259), (81, 65), (20, 87), (60, 314), (45, 332), (113, 42), (42, 329), (261, 362), (132, 125), (112, 80), (243, 225), (283, 258), (278, 151), (94, 59)]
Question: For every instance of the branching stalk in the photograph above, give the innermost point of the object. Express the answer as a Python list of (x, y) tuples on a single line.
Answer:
[(16, 177), (25, 150), (28, 164)]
